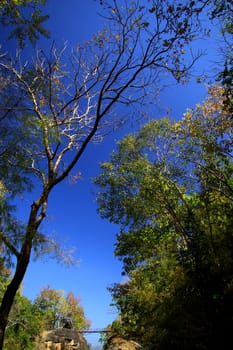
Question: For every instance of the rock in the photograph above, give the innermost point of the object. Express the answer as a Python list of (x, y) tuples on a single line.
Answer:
[(62, 339), (118, 343)]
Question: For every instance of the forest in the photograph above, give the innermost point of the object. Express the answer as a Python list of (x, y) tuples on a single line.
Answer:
[(168, 185)]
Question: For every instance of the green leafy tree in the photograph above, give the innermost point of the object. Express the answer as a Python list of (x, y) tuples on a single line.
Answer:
[(27, 320), (25, 324), (58, 108), (54, 304), (170, 187)]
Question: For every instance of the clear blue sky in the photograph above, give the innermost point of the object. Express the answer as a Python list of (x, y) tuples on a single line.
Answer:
[(72, 214)]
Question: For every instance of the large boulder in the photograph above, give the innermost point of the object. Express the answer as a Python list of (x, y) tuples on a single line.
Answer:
[(118, 343), (62, 339)]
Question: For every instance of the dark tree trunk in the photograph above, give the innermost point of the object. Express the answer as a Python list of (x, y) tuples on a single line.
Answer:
[(23, 258), (10, 293)]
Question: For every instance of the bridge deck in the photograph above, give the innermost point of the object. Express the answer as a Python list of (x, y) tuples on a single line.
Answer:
[(94, 331)]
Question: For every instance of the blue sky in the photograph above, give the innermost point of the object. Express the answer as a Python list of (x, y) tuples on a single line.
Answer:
[(72, 215)]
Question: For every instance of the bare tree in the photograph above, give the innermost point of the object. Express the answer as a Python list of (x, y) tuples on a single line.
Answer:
[(60, 104)]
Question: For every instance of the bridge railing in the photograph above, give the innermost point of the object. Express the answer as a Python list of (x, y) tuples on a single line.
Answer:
[(97, 330)]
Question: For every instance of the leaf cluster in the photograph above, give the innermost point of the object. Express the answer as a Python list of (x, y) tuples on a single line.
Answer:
[(24, 19)]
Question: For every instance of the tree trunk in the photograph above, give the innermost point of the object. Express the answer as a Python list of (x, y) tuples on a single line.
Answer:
[(23, 258), (10, 293)]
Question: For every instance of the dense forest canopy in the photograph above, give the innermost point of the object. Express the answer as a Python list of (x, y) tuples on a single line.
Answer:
[(170, 187)]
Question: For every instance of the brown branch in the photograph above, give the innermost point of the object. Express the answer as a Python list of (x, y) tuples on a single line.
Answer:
[(9, 245)]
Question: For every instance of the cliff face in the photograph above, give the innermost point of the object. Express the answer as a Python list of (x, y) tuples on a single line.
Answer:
[(62, 339)]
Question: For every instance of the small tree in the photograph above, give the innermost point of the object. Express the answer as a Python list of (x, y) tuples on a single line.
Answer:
[(60, 104)]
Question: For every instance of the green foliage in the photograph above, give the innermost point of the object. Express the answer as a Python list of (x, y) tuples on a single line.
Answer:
[(223, 11), (24, 322), (170, 187), (53, 304), (24, 325), (27, 320), (25, 20)]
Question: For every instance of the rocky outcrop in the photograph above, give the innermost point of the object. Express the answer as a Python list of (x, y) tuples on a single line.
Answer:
[(118, 343), (62, 339)]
